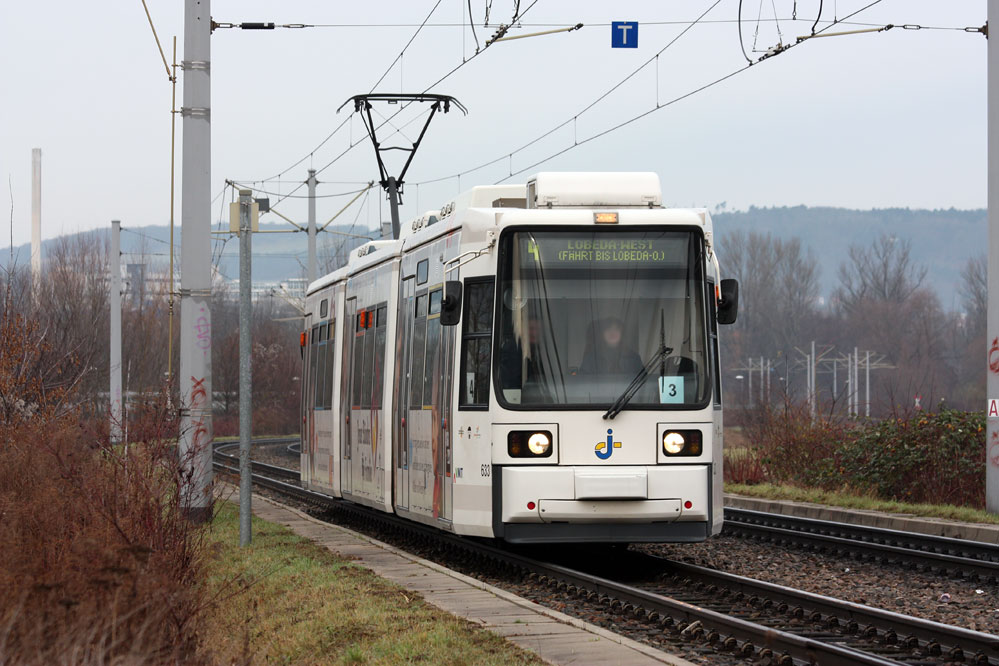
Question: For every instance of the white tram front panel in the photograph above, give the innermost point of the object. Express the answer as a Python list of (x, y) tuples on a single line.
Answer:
[(579, 308)]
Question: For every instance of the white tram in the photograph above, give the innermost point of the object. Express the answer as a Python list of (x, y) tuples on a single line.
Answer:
[(533, 363)]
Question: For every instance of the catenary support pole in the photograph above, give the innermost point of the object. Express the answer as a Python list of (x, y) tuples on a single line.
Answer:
[(173, 145), (834, 389), (312, 226), (761, 382), (195, 379), (245, 367), (992, 337), (811, 366), (750, 373), (114, 299), (856, 381), (853, 387), (36, 218), (867, 385)]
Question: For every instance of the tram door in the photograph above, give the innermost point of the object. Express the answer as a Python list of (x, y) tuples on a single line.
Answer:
[(308, 437), (346, 391), (400, 432), (437, 399), (446, 450)]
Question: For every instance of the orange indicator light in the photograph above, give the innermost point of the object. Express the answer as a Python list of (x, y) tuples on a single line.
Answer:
[(605, 218)]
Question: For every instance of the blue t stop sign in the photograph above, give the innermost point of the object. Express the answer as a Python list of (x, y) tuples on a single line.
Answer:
[(624, 34)]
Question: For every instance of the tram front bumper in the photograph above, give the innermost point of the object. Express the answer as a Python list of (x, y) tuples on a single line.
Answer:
[(623, 494)]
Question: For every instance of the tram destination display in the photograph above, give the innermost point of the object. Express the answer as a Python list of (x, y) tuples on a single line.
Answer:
[(614, 251)]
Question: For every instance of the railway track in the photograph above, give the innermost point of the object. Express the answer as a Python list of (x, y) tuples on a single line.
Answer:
[(900, 637), (274, 471), (935, 553), (733, 614)]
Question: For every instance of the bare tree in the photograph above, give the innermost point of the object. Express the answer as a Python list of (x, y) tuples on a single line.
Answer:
[(797, 289), (779, 288), (884, 271), (974, 292)]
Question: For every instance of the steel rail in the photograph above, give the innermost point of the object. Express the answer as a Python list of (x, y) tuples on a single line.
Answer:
[(740, 635), (916, 540), (870, 540), (263, 468), (936, 637)]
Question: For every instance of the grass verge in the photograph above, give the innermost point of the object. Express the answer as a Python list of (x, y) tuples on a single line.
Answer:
[(295, 602), (851, 501)]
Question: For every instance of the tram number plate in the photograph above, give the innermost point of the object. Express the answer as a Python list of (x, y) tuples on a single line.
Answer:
[(485, 470), (671, 390)]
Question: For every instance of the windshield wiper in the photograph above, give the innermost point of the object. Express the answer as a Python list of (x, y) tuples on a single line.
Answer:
[(636, 383)]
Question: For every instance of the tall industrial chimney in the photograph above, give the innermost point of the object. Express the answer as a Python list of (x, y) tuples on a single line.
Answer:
[(36, 214)]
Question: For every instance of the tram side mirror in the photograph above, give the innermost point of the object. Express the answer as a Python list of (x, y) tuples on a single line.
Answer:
[(728, 306), (451, 304)]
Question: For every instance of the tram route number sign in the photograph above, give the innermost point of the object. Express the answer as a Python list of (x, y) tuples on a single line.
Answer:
[(624, 34)]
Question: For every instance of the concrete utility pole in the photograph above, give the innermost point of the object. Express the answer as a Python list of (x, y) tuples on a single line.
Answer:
[(195, 385), (245, 367), (992, 338), (115, 303), (312, 225), (36, 216)]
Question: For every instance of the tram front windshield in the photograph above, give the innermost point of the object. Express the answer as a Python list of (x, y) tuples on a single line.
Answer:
[(581, 313)]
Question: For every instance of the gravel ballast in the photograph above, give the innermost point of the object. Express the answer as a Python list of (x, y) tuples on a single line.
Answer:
[(971, 603)]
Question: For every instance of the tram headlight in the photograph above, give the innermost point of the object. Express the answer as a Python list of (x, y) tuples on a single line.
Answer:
[(529, 443), (682, 442), (539, 443), (673, 443)]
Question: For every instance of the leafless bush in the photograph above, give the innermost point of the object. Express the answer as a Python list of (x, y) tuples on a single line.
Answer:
[(99, 564)]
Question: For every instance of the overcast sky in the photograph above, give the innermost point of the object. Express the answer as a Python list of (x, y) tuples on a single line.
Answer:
[(873, 120)]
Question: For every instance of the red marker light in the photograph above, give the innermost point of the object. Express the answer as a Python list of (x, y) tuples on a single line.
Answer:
[(530, 506), (688, 504), (302, 339)]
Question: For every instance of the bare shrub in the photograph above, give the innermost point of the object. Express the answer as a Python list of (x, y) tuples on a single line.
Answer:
[(99, 564)]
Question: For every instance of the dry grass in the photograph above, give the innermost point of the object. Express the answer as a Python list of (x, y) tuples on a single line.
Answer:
[(849, 500), (300, 604)]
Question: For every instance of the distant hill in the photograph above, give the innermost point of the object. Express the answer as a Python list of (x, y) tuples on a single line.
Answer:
[(276, 257), (942, 240)]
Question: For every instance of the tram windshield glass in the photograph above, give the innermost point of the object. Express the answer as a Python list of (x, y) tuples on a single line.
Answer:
[(582, 313)]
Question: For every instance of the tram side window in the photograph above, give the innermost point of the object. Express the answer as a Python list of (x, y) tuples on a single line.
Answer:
[(310, 393), (366, 368), (419, 351), (328, 373), (378, 369), (431, 370), (476, 340), (321, 353), (357, 362)]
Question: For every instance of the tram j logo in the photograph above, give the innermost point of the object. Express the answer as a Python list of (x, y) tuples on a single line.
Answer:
[(606, 448)]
